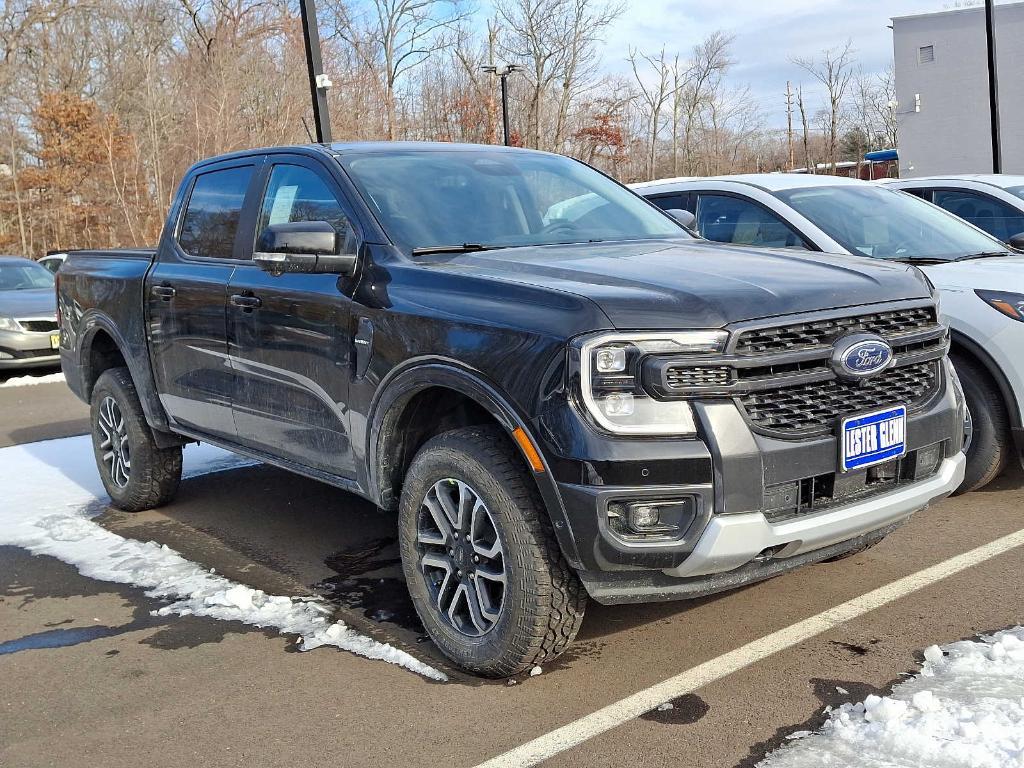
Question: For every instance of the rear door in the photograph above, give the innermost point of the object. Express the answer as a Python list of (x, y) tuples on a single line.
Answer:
[(289, 335), (727, 218), (186, 296)]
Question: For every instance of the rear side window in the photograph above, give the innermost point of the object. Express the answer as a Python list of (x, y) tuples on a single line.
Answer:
[(726, 219), (210, 223), (995, 217), (673, 201)]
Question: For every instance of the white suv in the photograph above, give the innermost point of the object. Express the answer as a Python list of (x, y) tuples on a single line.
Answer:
[(993, 202), (981, 281)]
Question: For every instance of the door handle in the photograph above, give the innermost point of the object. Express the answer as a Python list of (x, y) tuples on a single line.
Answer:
[(165, 292), (246, 302)]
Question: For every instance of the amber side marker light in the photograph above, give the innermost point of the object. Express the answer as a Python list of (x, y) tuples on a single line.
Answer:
[(528, 449)]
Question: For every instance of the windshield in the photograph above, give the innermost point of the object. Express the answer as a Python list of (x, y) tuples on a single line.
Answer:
[(22, 277), (1018, 191), (430, 199), (885, 224)]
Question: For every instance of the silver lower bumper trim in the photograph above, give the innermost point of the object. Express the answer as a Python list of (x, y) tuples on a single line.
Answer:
[(730, 541)]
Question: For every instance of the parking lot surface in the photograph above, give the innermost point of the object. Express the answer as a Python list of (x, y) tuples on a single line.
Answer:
[(90, 677)]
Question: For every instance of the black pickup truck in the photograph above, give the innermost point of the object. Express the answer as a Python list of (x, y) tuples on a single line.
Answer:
[(561, 391)]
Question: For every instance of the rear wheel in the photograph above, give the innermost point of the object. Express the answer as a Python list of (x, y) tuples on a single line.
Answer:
[(484, 570), (136, 472), (987, 430)]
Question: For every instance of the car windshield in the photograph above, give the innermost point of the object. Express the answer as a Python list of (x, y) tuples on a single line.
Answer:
[(1018, 191), (886, 224), (23, 277), (434, 199)]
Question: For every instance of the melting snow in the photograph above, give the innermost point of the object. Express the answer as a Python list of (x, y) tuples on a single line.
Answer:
[(24, 381), (965, 708), (50, 491)]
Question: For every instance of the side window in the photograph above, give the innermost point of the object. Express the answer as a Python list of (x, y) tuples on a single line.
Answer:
[(924, 194), (995, 217), (296, 193), (728, 219), (669, 201), (210, 223)]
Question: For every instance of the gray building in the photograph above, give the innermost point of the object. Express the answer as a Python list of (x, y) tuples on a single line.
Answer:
[(942, 90)]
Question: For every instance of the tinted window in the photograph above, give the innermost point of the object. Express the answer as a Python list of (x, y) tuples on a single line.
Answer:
[(869, 220), (734, 220), (995, 217), (669, 202), (499, 198), (23, 277), (210, 223), (298, 194)]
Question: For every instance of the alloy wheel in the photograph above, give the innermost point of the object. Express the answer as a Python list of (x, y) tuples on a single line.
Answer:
[(461, 557), (114, 443)]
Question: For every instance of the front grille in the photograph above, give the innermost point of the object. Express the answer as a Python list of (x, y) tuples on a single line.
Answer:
[(814, 408), (680, 377), (821, 333), (20, 354), (39, 326)]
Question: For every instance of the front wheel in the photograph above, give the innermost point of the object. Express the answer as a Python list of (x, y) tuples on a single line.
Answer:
[(136, 472), (987, 429), (484, 570)]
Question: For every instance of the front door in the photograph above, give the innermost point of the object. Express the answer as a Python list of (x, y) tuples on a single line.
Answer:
[(186, 295), (289, 336)]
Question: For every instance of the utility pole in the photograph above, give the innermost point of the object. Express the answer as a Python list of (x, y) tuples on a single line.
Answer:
[(318, 81), (503, 71), (993, 86), (789, 123)]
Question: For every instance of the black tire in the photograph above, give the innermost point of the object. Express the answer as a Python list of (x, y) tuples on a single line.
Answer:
[(989, 450), (152, 475), (542, 602)]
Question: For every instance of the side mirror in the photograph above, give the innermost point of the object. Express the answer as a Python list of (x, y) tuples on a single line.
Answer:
[(309, 247), (1017, 241), (685, 218)]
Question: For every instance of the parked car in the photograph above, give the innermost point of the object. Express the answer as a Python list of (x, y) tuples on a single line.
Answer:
[(589, 403), (53, 260), (981, 282), (28, 315), (992, 202)]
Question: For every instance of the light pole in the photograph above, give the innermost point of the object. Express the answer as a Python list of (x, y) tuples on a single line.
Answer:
[(503, 71), (993, 86), (318, 81)]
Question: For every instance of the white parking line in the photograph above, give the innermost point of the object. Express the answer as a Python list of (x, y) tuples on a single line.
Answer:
[(624, 710)]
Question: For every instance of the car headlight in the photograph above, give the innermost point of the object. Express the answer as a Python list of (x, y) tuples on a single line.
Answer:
[(611, 386), (1010, 304), (8, 324)]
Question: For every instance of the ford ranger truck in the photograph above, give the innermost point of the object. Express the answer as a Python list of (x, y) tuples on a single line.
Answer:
[(561, 393)]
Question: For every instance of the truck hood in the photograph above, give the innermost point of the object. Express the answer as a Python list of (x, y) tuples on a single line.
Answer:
[(693, 284), (1000, 273), (36, 302)]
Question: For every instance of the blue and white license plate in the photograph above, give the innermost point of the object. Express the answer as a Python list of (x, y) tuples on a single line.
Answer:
[(873, 438)]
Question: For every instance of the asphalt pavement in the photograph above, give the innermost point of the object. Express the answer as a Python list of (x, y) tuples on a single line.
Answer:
[(89, 677)]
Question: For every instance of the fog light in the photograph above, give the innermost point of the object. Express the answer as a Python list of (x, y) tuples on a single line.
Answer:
[(643, 516)]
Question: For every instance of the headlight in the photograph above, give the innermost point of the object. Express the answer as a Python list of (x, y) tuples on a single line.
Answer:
[(1010, 304), (8, 324), (611, 388)]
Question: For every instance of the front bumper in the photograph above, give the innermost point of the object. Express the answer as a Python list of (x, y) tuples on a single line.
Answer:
[(731, 473), (27, 349)]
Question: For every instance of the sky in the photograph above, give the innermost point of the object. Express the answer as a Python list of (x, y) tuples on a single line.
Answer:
[(767, 34)]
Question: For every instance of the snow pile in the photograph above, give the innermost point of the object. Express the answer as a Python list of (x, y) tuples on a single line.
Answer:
[(966, 708), (24, 381), (49, 489)]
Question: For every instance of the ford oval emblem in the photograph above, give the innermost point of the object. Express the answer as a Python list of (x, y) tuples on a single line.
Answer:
[(860, 356)]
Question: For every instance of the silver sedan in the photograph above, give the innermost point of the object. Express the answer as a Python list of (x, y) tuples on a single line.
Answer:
[(28, 315)]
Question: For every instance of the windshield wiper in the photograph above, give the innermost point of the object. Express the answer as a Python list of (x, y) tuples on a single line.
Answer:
[(464, 248), (983, 255), (921, 260)]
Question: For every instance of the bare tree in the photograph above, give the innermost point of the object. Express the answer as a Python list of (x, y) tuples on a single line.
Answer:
[(834, 71), (654, 96)]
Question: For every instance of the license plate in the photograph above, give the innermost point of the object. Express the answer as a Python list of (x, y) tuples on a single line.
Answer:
[(54, 341), (873, 438)]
